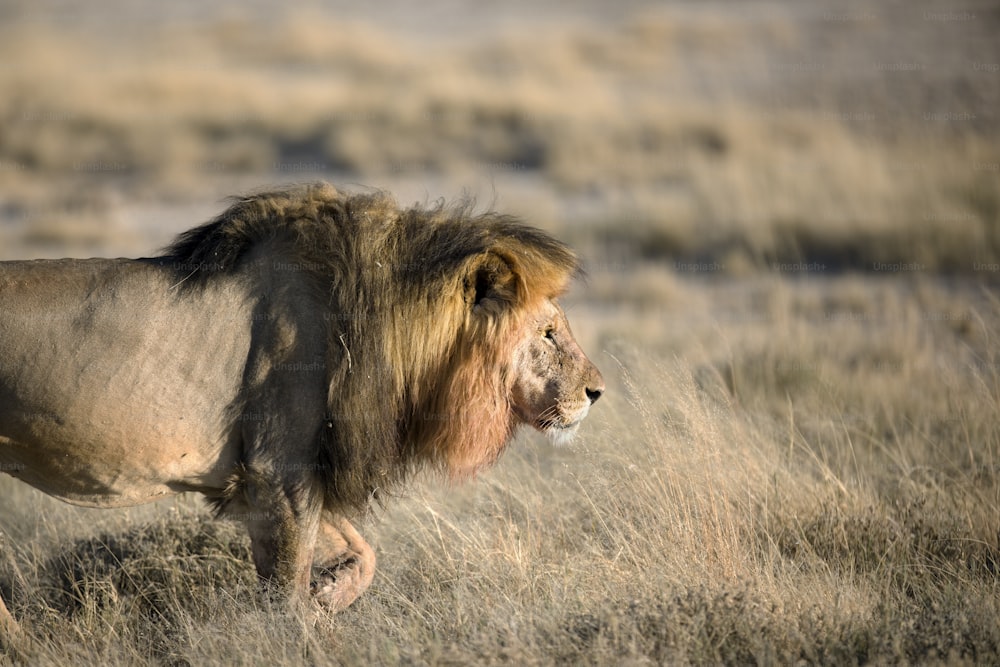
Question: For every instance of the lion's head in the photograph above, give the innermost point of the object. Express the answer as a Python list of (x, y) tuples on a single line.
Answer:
[(554, 382)]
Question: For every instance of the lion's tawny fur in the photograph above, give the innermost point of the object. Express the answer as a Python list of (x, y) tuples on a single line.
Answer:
[(422, 308)]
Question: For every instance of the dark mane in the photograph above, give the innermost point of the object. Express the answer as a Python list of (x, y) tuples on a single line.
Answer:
[(418, 301), (322, 219)]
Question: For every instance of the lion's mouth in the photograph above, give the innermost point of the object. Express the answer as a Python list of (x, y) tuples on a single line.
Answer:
[(561, 421)]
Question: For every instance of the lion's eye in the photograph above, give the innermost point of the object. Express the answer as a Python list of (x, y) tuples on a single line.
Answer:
[(549, 333)]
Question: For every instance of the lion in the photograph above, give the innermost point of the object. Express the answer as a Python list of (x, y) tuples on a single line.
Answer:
[(294, 360)]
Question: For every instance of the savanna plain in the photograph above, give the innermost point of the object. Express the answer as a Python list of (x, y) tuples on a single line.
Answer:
[(790, 218)]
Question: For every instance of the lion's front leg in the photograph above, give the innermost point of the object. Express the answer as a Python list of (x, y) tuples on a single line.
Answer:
[(12, 638), (343, 567), (14, 643), (283, 526), (10, 632), (282, 554)]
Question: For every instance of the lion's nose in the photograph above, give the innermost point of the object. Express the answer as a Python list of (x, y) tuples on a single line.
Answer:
[(593, 383), (595, 393)]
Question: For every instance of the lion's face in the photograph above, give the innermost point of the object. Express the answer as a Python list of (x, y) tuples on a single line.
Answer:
[(554, 382)]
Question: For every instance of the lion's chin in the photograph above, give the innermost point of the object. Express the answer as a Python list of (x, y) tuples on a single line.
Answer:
[(561, 435)]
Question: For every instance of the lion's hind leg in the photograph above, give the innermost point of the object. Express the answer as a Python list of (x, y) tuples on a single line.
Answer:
[(343, 565)]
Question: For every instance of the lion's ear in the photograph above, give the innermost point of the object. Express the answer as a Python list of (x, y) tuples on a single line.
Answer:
[(492, 285)]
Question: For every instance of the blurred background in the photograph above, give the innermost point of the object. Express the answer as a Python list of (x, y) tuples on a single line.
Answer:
[(719, 137)]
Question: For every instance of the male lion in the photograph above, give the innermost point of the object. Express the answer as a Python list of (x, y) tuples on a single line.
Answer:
[(291, 360)]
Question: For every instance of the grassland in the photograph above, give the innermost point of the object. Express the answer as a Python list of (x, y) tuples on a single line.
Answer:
[(790, 218)]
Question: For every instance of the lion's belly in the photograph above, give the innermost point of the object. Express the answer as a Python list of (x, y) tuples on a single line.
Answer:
[(109, 447), (105, 474), (119, 398)]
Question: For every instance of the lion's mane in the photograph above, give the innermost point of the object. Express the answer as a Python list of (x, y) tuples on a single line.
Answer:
[(423, 307)]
